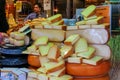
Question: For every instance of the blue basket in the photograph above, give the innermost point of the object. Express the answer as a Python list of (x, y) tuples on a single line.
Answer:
[(13, 61), (14, 51)]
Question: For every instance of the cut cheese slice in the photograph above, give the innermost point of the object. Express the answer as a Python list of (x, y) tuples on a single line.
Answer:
[(55, 18), (74, 59), (42, 70), (43, 60), (81, 45), (41, 41), (98, 20), (81, 23), (66, 51), (43, 50), (93, 61), (53, 53), (88, 11), (91, 17), (58, 73), (72, 39), (87, 54), (32, 48), (54, 66)]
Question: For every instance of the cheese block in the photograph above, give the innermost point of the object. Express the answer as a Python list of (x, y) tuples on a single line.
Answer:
[(58, 73), (93, 61), (102, 50), (94, 36), (72, 39), (104, 25), (41, 41), (53, 53), (54, 66), (84, 26), (88, 11), (81, 45), (59, 27), (74, 59), (53, 35), (55, 18), (87, 54), (66, 51), (98, 20), (72, 27)]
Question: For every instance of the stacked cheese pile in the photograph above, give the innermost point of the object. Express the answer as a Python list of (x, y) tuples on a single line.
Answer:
[(50, 22), (84, 49), (51, 59), (90, 17)]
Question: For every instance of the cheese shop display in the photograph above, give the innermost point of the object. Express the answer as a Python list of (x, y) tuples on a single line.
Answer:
[(56, 51)]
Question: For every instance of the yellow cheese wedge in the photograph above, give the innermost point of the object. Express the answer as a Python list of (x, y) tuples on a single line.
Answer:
[(98, 20), (66, 51), (72, 39), (93, 61), (81, 45), (88, 11), (87, 54), (41, 41)]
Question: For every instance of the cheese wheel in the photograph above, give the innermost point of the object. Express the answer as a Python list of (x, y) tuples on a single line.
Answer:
[(19, 42), (53, 35), (105, 77), (33, 60), (88, 70), (19, 36)]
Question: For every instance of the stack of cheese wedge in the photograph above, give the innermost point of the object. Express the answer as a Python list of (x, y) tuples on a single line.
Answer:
[(81, 50), (50, 22), (17, 38), (75, 50)]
